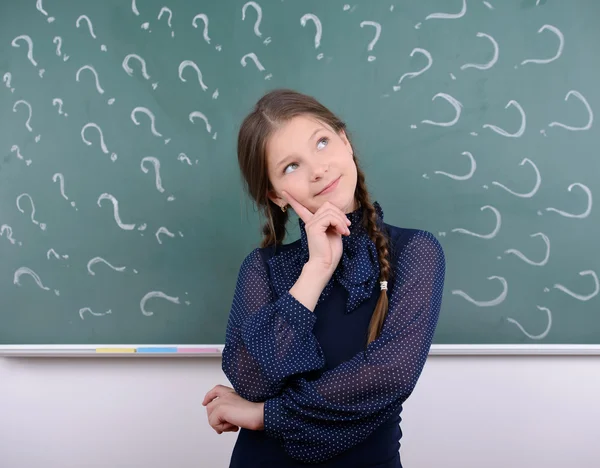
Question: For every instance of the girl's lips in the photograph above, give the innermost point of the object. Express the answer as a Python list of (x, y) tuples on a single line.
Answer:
[(330, 187)]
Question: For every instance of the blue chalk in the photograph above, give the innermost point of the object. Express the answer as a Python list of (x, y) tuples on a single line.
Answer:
[(156, 350)]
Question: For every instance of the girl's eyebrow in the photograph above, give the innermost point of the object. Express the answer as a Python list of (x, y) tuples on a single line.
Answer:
[(290, 156)]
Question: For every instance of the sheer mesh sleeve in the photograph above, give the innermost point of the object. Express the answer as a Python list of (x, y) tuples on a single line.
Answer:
[(318, 419), (267, 340)]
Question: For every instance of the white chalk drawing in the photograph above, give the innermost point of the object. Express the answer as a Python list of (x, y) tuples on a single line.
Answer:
[(27, 271), (129, 70), (6, 229), (468, 175), (95, 260), (83, 310), (492, 62), (419, 72), (183, 158), (134, 8), (527, 260), (170, 13), (204, 19), (460, 14), (150, 115), (490, 303), (319, 29), (522, 127), (40, 8), (61, 179), (377, 27), (156, 163), (113, 156), (6, 78), (90, 27), (155, 294), (41, 225), (26, 104), (259, 15), (189, 63), (115, 202), (587, 126), (492, 234), (541, 335), (201, 116), (561, 45), (538, 181), (215, 95), (16, 149), (53, 253), (252, 56), (58, 41), (489, 5), (59, 102), (582, 297), (163, 230), (588, 210), (93, 70), (457, 108), (29, 42)]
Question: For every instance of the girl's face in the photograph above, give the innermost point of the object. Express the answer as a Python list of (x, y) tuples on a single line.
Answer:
[(304, 157)]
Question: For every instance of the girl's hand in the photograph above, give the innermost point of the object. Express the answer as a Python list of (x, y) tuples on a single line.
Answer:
[(227, 411), (324, 230)]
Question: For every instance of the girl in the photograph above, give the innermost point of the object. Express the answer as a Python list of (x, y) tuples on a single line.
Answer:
[(327, 335)]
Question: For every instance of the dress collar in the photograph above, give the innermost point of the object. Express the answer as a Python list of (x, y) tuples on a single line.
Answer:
[(357, 270)]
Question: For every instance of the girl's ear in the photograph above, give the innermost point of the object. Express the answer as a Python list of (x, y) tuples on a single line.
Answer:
[(272, 195)]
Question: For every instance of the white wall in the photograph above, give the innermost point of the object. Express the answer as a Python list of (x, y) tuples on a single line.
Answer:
[(466, 412)]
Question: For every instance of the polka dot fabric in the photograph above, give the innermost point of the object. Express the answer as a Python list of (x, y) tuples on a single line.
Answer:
[(270, 348)]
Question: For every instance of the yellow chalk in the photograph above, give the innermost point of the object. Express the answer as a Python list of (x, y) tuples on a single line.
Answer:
[(115, 350)]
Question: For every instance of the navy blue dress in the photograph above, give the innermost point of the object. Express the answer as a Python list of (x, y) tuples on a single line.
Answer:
[(330, 400)]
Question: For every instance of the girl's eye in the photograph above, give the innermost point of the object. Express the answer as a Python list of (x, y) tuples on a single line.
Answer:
[(323, 139), (285, 170)]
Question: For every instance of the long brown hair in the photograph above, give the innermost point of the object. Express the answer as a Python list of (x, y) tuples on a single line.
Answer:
[(273, 110)]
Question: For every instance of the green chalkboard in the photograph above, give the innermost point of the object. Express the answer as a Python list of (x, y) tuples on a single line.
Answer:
[(473, 120)]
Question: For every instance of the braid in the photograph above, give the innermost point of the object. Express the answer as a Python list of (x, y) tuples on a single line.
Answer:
[(381, 241), (274, 228)]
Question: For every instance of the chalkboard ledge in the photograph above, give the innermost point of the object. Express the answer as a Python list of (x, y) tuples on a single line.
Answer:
[(178, 351)]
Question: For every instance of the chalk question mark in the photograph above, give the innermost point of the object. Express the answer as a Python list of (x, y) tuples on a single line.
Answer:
[(377, 27), (59, 101), (258, 9), (252, 56), (90, 27), (6, 78), (113, 156), (98, 87), (5, 228), (29, 42), (58, 41), (129, 70), (27, 123), (170, 13), (40, 8), (58, 176), (149, 113), (189, 63), (204, 19), (19, 155), (319, 31), (41, 225), (203, 117), (156, 163), (27, 271), (417, 73)]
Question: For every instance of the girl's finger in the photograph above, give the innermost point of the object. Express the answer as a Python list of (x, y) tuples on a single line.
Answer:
[(304, 213), (330, 218)]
